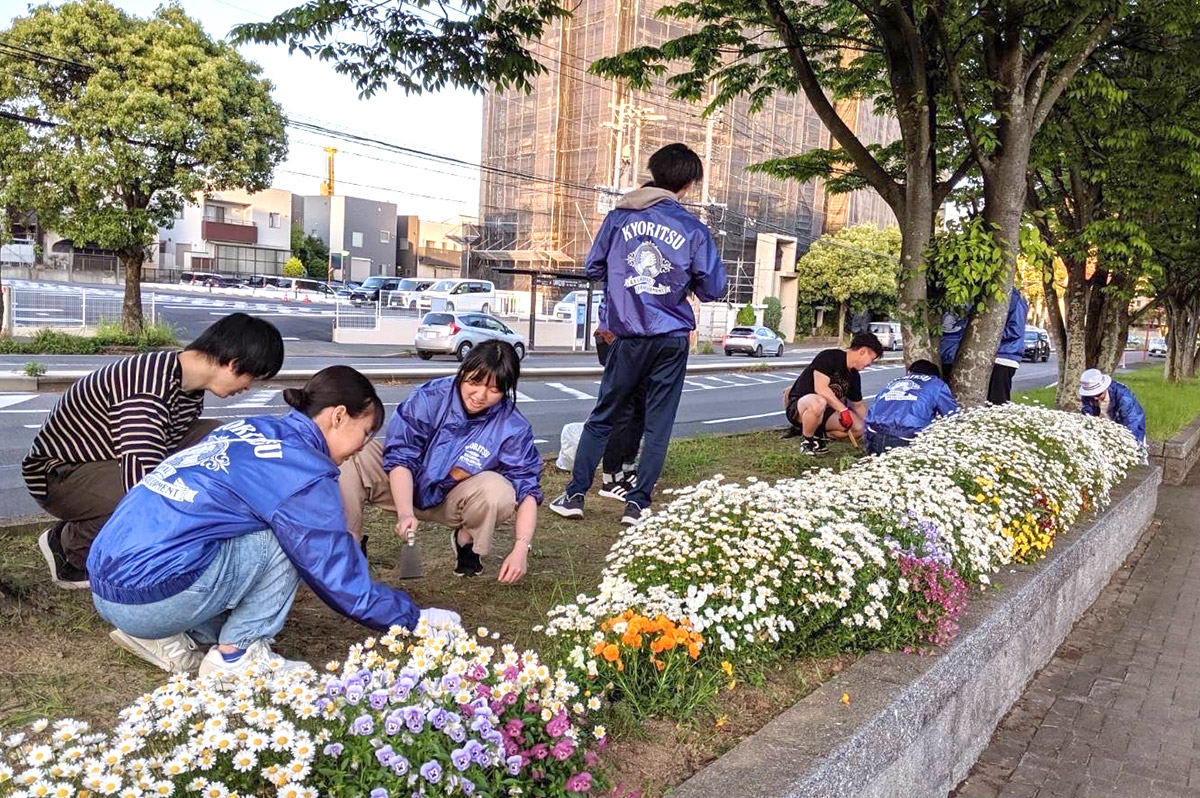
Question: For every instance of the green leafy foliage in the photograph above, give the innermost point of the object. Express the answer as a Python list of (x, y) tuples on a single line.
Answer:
[(34, 369), (856, 266), (108, 335), (773, 315), (746, 316), (294, 268), (312, 252), (138, 116)]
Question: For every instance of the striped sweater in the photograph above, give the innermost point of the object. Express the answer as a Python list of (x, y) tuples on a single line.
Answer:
[(133, 411)]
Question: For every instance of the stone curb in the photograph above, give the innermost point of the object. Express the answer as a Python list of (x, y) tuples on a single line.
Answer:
[(58, 380), (1178, 455), (24, 524), (916, 724)]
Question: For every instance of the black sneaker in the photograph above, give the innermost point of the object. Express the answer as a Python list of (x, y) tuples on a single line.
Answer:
[(632, 514), (815, 446), (568, 506), (617, 486), (467, 562), (62, 573)]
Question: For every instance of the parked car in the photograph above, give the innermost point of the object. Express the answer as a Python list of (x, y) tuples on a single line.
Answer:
[(1158, 348), (409, 291), (1037, 345), (459, 294), (294, 284), (210, 279), (753, 341), (456, 333), (370, 288), (888, 333), (568, 307)]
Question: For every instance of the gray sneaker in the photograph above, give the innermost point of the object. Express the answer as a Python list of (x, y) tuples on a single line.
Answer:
[(62, 573), (568, 506), (632, 514), (175, 654)]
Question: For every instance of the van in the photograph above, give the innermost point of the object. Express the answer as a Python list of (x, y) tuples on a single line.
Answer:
[(405, 296), (888, 333), (458, 294)]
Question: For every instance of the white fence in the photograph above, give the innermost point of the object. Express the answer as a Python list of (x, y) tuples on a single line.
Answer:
[(67, 308)]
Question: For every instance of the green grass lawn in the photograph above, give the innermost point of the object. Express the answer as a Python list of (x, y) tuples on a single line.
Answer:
[(56, 659), (1169, 406)]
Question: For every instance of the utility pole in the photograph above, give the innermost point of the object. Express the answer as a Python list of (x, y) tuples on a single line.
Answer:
[(705, 183), (327, 184), (641, 115)]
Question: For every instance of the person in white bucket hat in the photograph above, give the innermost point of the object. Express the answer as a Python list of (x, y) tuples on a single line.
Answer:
[(1104, 396)]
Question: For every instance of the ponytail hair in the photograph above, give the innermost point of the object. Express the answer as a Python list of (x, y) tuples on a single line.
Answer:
[(334, 386)]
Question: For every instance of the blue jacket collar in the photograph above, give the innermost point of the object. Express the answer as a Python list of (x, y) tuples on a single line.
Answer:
[(308, 431)]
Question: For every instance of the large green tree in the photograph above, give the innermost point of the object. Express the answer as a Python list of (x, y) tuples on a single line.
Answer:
[(853, 269), (312, 252), (123, 119)]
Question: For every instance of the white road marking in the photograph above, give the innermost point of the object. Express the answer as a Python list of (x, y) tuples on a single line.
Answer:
[(256, 400), (743, 418), (569, 390), (524, 398), (8, 400)]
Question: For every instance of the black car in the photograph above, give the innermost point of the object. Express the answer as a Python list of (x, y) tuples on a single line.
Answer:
[(1037, 345), (370, 288)]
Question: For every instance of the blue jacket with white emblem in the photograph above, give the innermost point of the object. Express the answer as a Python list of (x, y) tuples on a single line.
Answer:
[(652, 252), (1123, 408), (431, 432), (269, 472), (909, 404)]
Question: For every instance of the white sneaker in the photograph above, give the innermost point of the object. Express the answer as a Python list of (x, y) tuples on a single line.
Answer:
[(175, 654), (259, 653)]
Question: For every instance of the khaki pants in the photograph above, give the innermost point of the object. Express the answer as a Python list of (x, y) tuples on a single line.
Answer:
[(83, 495), (474, 506)]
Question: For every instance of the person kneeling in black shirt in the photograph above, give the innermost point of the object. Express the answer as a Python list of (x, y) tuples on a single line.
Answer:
[(826, 399)]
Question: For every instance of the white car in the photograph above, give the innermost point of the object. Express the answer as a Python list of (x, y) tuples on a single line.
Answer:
[(570, 304), (409, 292), (888, 333), (459, 294), (1158, 348)]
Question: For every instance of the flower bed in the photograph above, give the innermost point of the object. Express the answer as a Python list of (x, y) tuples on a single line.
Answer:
[(725, 576), (877, 556)]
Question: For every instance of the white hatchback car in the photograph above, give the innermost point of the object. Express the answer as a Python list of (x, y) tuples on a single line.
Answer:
[(459, 295)]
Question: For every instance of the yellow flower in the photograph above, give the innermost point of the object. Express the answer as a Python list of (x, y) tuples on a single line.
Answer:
[(728, 668), (846, 699), (721, 721)]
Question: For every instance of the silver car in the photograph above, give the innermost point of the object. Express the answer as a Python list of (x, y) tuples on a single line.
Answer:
[(443, 333), (753, 341)]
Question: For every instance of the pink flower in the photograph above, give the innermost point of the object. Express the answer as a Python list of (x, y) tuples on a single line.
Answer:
[(590, 759), (514, 728), (558, 726), (539, 752), (563, 749), (580, 782)]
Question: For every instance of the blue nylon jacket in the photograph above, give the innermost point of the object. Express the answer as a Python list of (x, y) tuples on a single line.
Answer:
[(1123, 408), (909, 404), (269, 472), (651, 257), (430, 433), (1012, 339)]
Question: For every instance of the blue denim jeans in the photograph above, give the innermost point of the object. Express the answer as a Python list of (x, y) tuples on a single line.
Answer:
[(243, 596), (880, 442)]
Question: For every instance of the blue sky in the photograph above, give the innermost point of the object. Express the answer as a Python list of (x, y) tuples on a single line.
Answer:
[(446, 123)]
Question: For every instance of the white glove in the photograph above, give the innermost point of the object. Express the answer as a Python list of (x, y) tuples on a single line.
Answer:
[(439, 617)]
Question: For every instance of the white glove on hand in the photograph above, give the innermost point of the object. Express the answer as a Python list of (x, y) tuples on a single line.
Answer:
[(439, 617)]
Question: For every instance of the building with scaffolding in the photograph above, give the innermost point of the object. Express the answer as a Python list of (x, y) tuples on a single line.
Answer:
[(581, 140)]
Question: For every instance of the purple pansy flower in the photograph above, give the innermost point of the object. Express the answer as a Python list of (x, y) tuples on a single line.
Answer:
[(456, 733), (460, 758), (400, 765), (354, 693), (580, 782), (513, 763), (414, 719), (392, 724), (438, 718), (333, 688), (362, 726), (431, 771), (378, 699), (467, 786), (333, 749), (379, 792), (385, 755), (451, 683)]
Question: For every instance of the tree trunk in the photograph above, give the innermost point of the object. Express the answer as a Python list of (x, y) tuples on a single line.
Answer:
[(1114, 329), (912, 305), (1004, 201), (1072, 356), (843, 306), (1183, 318), (131, 309)]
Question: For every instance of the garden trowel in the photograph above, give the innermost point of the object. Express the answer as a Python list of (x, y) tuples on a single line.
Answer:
[(410, 559)]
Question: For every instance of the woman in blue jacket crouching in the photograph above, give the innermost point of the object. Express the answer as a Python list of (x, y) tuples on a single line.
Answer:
[(458, 453), (210, 547)]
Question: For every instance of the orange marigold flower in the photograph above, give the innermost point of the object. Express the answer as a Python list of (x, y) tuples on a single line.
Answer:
[(611, 653)]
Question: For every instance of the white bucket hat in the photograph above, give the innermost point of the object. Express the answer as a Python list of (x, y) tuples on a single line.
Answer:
[(1094, 382)]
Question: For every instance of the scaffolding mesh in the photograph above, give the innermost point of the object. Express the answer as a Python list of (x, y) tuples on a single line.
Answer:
[(592, 134)]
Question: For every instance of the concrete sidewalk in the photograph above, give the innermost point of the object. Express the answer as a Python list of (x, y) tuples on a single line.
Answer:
[(1116, 712)]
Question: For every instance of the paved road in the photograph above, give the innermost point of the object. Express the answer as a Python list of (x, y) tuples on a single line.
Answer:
[(711, 404)]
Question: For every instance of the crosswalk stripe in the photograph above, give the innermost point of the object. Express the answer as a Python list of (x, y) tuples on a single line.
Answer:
[(8, 400), (524, 397), (569, 390)]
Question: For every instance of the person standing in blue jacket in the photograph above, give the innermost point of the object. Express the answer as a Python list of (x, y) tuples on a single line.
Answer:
[(1008, 355), (907, 405), (618, 474), (1105, 397), (652, 253), (457, 453), (210, 547)]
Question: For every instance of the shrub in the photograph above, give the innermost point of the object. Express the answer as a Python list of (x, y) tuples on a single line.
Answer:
[(746, 316), (34, 369), (773, 315), (294, 267)]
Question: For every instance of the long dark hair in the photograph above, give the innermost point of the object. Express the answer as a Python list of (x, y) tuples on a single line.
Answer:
[(337, 385), (492, 360)]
